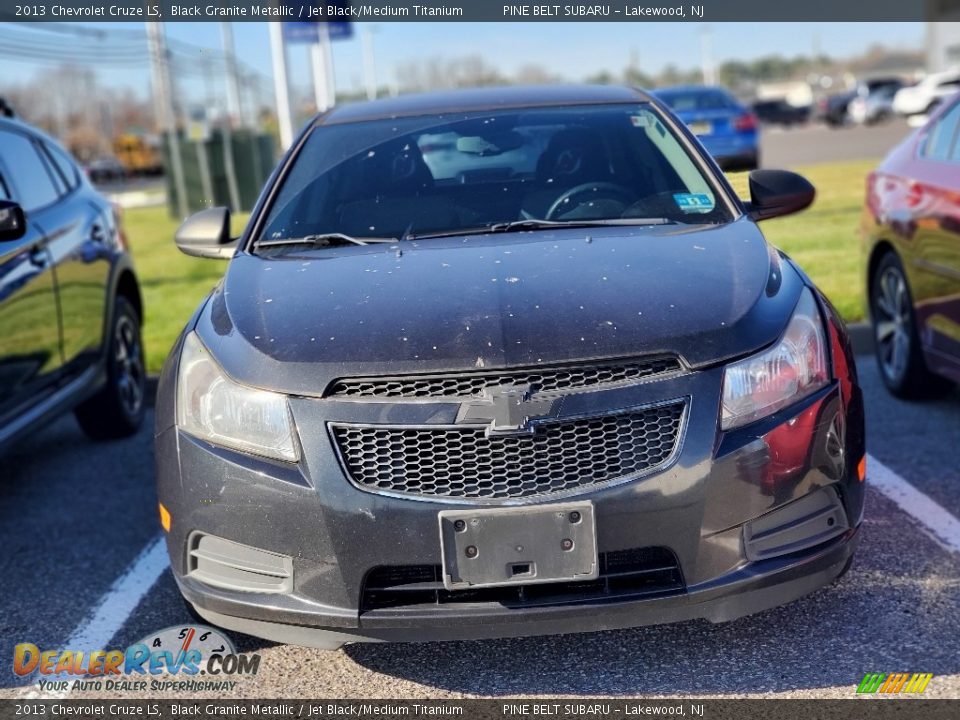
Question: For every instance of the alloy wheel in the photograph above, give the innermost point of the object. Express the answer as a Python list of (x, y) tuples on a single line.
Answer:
[(892, 323), (129, 365)]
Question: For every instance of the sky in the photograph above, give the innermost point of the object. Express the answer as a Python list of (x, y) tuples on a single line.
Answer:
[(571, 50)]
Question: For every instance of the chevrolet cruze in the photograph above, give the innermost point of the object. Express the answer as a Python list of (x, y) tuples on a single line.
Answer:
[(505, 362)]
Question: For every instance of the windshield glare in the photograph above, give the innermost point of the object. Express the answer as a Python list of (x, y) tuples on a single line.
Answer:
[(443, 174)]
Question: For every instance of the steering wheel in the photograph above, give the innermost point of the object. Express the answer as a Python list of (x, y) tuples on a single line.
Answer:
[(606, 190)]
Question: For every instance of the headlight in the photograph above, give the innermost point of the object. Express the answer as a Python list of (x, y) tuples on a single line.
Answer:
[(794, 368), (212, 407)]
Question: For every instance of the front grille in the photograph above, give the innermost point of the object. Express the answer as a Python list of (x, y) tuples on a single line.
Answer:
[(464, 462), (624, 574), (546, 379)]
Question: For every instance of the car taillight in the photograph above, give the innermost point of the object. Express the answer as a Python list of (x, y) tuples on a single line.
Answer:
[(747, 121)]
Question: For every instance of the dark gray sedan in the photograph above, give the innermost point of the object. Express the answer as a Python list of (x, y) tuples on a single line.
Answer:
[(505, 362)]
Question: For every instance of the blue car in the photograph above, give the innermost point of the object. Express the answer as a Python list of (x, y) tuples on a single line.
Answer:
[(727, 129)]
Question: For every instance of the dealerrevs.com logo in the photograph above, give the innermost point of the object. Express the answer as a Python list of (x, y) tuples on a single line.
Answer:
[(183, 651)]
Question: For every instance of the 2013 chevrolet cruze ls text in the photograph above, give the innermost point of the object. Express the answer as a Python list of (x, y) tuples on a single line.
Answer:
[(505, 362)]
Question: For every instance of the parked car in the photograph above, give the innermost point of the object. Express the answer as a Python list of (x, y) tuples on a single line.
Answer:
[(832, 109), (105, 169), (835, 109), (70, 307), (780, 112), (926, 95), (727, 129), (454, 404), (872, 107), (911, 230)]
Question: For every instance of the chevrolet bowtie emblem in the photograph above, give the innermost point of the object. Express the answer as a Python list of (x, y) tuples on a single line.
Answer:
[(509, 409)]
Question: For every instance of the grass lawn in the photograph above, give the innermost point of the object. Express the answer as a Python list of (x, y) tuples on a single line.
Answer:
[(823, 240)]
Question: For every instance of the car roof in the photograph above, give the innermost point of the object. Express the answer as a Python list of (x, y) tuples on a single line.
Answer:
[(480, 99)]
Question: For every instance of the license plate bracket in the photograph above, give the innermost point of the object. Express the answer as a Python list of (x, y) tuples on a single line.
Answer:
[(518, 546)]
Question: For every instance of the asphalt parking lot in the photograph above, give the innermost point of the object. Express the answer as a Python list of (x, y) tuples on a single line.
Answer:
[(815, 143), (75, 516)]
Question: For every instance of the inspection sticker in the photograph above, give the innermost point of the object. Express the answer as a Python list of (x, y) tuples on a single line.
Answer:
[(693, 202)]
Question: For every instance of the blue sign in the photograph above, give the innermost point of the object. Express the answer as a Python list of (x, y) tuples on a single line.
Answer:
[(309, 32)]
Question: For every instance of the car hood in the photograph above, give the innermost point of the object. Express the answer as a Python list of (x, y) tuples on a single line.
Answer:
[(294, 323)]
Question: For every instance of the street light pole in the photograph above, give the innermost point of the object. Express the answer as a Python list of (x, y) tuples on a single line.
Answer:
[(163, 104), (234, 115), (706, 57), (281, 84), (369, 63), (234, 111)]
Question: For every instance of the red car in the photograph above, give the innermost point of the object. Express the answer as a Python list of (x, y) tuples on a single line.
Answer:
[(911, 231)]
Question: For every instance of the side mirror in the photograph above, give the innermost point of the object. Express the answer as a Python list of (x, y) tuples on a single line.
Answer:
[(778, 192), (13, 223), (207, 234)]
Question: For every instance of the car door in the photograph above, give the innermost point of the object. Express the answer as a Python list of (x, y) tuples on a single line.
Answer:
[(29, 326), (78, 241), (936, 252)]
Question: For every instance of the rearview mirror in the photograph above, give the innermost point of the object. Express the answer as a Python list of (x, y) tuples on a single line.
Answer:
[(207, 234), (774, 193), (13, 223)]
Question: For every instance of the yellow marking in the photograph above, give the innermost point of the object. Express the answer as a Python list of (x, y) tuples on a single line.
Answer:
[(164, 518)]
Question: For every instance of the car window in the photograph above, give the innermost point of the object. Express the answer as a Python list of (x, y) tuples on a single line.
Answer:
[(65, 166), (32, 183), (58, 182), (421, 175), (943, 136)]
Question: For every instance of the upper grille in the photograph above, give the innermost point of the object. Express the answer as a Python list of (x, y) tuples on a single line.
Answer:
[(547, 379), (464, 462)]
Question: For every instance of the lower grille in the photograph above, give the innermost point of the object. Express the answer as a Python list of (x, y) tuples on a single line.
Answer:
[(464, 462), (624, 574)]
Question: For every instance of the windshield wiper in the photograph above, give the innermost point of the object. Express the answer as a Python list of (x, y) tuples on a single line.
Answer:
[(322, 240), (534, 224)]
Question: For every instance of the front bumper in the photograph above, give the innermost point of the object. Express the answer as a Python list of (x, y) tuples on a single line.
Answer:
[(698, 507), (744, 592)]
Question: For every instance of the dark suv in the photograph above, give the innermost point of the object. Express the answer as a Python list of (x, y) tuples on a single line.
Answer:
[(70, 307)]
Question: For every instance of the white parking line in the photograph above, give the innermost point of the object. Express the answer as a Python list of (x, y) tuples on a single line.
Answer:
[(933, 519), (116, 606)]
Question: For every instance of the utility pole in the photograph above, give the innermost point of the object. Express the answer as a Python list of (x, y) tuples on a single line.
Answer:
[(234, 111), (327, 46), (369, 62), (281, 84), (321, 64), (321, 94), (234, 115), (706, 57), (163, 105)]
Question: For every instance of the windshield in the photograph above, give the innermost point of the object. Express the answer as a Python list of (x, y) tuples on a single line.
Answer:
[(405, 177)]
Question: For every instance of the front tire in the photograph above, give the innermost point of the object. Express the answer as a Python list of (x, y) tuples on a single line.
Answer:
[(896, 338), (117, 410)]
